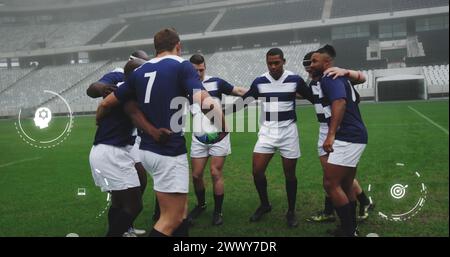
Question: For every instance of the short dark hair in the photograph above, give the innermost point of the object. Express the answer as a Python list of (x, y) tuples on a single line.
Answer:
[(307, 59), (166, 40), (141, 54), (197, 59), (327, 49), (275, 51)]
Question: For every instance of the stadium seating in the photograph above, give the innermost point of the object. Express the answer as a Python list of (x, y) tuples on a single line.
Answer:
[(277, 13), (351, 52), (10, 76), (144, 28), (437, 78), (76, 95), (26, 37), (435, 45), (345, 8), (29, 91), (241, 67), (76, 33)]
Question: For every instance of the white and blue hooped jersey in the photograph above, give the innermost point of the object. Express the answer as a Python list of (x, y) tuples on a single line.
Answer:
[(278, 97), (217, 86)]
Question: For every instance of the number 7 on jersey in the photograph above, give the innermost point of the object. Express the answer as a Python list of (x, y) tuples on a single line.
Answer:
[(148, 90)]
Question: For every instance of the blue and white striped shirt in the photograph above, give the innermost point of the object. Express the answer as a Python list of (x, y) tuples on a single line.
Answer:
[(278, 107)]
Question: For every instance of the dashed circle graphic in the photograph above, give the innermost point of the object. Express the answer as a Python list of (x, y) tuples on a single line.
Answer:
[(47, 143), (398, 191)]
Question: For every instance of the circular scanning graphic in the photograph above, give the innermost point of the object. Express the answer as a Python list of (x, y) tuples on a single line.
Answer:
[(42, 118), (398, 191), (417, 192)]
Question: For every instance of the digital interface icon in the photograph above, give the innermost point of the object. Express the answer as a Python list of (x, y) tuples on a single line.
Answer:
[(408, 199), (398, 191), (81, 191), (42, 117), (29, 118)]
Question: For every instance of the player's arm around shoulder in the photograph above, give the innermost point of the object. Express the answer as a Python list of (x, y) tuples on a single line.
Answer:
[(355, 77), (99, 89), (239, 91), (105, 106), (303, 90)]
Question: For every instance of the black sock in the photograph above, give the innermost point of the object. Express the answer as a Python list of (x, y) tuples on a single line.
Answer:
[(291, 190), (261, 187), (200, 196), (344, 213), (329, 208), (112, 213), (182, 230), (120, 224), (218, 200), (353, 213), (156, 233), (362, 199)]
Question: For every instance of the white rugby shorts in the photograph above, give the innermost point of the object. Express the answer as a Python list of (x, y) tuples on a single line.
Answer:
[(285, 139), (113, 168)]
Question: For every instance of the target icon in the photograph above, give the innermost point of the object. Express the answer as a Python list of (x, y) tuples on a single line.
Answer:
[(398, 191)]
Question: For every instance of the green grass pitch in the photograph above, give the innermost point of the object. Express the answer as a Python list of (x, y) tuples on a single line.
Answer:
[(38, 187)]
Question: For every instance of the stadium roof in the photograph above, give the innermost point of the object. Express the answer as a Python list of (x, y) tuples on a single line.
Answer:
[(40, 5)]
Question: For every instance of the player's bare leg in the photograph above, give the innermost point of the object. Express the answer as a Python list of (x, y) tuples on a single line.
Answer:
[(216, 168), (327, 213), (328, 210), (198, 167), (260, 162), (289, 166), (173, 212), (337, 184)]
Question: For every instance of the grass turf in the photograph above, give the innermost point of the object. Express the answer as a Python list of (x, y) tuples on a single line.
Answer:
[(38, 187)]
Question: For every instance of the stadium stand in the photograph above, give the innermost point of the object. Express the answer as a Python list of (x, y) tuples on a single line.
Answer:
[(26, 37), (243, 66), (76, 33), (437, 79), (185, 24), (29, 91), (107, 33), (276, 13), (435, 45), (76, 94), (341, 8), (351, 52), (11, 76)]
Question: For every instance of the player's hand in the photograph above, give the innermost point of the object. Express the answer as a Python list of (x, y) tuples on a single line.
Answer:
[(222, 135), (161, 135), (335, 72), (108, 89), (328, 144)]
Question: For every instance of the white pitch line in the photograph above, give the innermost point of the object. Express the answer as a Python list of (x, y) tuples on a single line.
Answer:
[(429, 120), (19, 161)]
